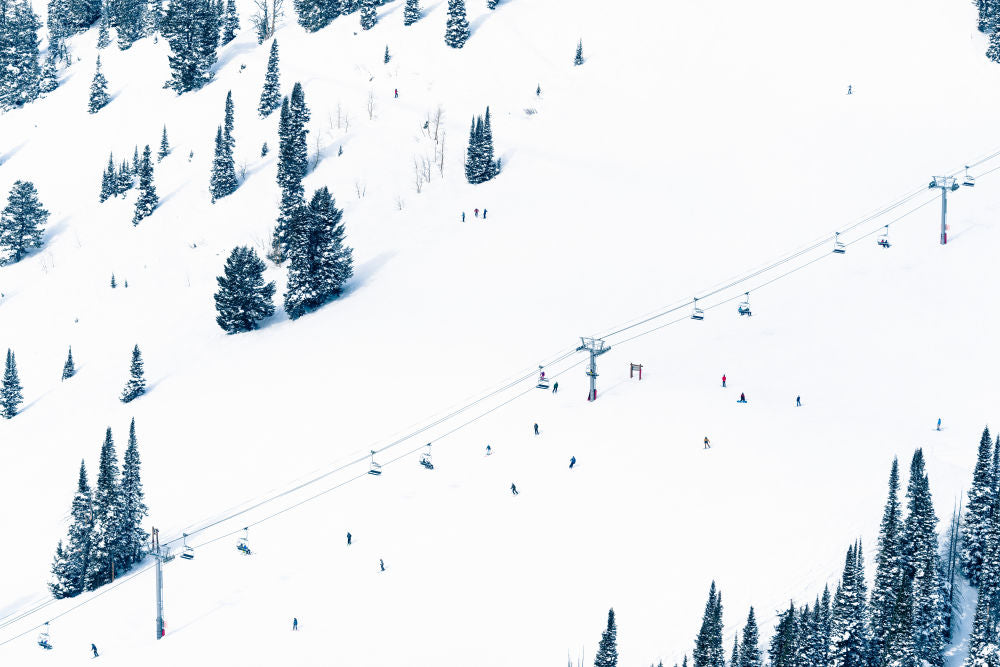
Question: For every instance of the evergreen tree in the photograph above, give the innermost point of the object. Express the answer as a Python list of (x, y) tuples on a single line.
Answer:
[(457, 30), (243, 298), (708, 651), (230, 23), (109, 181), (129, 17), (734, 657), (229, 124), (887, 572), (492, 4), (49, 80), (978, 510), (899, 647), (847, 633), (920, 559), (607, 650), (223, 181), (20, 73), (315, 15), (133, 507), (192, 29), (263, 149), (270, 96), (69, 370), (136, 385), (99, 97), (368, 14), (10, 389), (386, 57), (784, 644), (147, 201), (292, 165), (164, 146), (490, 167), (71, 563), (578, 59), (411, 13), (103, 31), (750, 648), (993, 50), (106, 552), (480, 165), (983, 648), (538, 90), (21, 222)]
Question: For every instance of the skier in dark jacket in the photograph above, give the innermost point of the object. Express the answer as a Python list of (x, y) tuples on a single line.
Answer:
[(513, 488), (572, 462), (93, 647), (381, 564), (348, 538), (536, 429), (295, 624), (555, 387)]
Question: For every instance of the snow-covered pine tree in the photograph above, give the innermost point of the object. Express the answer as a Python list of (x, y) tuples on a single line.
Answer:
[(899, 649), (57, 21), (734, 657), (20, 72), (457, 29), (708, 651), (292, 165), (49, 80), (133, 506), (230, 23), (750, 645), (99, 97), (22, 222), (192, 29), (70, 567), (109, 181), (270, 96), (164, 146), (10, 388), (147, 201), (106, 552), (369, 15), (473, 157), (334, 263), (490, 166), (301, 252), (785, 641), (983, 645), (887, 572), (243, 298), (411, 13), (315, 15), (920, 562), (978, 510), (386, 58), (135, 160), (69, 370), (263, 149), (125, 179), (848, 645), (136, 385), (607, 650), (103, 31), (129, 17), (223, 181), (538, 90), (492, 4), (578, 59), (229, 123)]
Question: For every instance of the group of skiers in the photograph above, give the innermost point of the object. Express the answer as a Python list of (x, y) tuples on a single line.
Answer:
[(743, 399), (476, 213)]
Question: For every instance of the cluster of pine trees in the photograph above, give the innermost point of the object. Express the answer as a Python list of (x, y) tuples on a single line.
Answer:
[(906, 619), (116, 181), (119, 180), (192, 28), (69, 17), (20, 72), (105, 537), (22, 222), (480, 165)]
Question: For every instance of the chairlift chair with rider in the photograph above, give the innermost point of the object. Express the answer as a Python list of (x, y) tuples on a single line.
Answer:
[(244, 543), (375, 468), (744, 307), (43, 638), (697, 313), (425, 458), (543, 382), (883, 238), (838, 246)]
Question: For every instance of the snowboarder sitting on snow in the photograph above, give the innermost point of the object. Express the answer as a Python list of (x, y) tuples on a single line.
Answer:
[(743, 398)]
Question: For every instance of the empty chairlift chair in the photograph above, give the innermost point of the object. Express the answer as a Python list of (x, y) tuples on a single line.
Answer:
[(374, 468), (697, 313), (188, 552), (838, 246), (968, 181), (744, 307)]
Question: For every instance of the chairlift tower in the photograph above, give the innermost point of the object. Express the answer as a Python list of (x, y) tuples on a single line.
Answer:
[(596, 347), (946, 183), (159, 582)]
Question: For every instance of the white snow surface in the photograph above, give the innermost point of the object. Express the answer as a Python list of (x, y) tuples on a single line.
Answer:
[(699, 140)]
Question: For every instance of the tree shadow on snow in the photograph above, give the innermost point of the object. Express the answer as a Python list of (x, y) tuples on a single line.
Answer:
[(12, 152), (52, 231), (364, 272), (231, 53), (389, 12)]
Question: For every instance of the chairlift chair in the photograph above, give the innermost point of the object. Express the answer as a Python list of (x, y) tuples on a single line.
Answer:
[(375, 468), (968, 181), (744, 307), (883, 239), (697, 313), (425, 458), (188, 552), (543, 382), (244, 543), (43, 638), (838, 246)]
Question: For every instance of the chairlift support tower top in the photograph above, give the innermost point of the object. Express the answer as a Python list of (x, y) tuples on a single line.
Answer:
[(596, 347), (945, 183)]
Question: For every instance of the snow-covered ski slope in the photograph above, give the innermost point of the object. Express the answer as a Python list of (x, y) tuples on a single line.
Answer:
[(698, 142)]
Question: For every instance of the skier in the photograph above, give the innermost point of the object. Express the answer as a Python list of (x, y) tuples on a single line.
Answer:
[(743, 398), (572, 462), (488, 450), (939, 424), (723, 380), (536, 427), (513, 488), (295, 624), (555, 387), (708, 445), (348, 538), (93, 648), (463, 216), (381, 564), (848, 89), (476, 211), (798, 401), (484, 214), (395, 92)]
